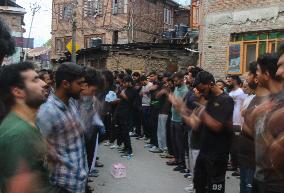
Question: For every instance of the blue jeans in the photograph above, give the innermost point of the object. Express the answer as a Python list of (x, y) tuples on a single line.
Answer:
[(246, 179)]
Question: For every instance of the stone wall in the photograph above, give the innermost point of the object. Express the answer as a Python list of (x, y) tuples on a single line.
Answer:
[(222, 18), (138, 60)]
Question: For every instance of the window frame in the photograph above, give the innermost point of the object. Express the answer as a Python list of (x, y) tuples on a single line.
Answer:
[(61, 16), (87, 37), (257, 41), (96, 3)]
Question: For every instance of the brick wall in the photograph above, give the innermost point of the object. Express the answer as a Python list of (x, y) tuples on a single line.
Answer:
[(224, 17), (148, 18)]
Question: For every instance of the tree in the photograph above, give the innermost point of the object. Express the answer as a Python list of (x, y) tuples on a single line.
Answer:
[(48, 43)]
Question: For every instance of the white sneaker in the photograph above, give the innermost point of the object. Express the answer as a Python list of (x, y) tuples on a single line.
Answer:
[(189, 188), (148, 146), (107, 143), (147, 141), (113, 146), (154, 148)]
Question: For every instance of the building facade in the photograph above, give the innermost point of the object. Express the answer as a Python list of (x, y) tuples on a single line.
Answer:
[(234, 33), (13, 15), (114, 21)]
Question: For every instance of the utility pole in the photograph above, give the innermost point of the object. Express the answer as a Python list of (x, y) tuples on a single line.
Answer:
[(132, 22), (35, 8), (74, 29)]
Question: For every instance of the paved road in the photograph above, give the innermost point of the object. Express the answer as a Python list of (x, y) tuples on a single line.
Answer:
[(146, 173)]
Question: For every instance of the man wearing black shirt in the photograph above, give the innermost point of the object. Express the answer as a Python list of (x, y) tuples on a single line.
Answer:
[(215, 124), (122, 111)]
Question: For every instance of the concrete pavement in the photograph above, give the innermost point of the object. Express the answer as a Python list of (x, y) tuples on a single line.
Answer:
[(146, 173)]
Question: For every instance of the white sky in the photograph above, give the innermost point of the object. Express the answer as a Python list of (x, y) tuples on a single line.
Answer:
[(42, 22)]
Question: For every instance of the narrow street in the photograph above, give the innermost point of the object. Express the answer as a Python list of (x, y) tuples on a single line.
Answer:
[(146, 173)]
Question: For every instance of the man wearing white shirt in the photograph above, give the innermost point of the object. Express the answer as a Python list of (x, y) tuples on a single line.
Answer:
[(146, 100), (239, 97)]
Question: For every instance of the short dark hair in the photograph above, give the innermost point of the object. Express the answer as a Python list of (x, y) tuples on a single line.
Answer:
[(7, 42), (121, 76), (268, 63), (152, 73), (222, 81), (204, 77), (10, 76), (128, 71), (167, 74), (68, 71), (137, 74), (109, 78), (194, 71), (143, 78), (42, 73), (253, 68), (236, 78), (179, 75), (128, 78), (92, 77)]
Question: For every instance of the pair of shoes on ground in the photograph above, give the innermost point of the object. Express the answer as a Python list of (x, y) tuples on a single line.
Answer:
[(127, 155), (148, 146), (189, 188), (133, 134), (89, 189), (179, 168), (139, 137), (188, 176), (148, 141), (166, 155), (107, 143), (172, 163), (236, 173), (99, 164), (94, 173), (155, 149)]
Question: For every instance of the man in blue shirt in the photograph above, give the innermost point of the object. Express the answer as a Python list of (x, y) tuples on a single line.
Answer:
[(61, 124)]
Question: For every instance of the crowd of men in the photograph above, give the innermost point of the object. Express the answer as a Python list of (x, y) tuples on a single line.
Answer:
[(53, 122)]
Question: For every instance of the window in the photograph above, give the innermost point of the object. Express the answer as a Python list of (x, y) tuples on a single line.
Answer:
[(114, 37), (88, 39), (58, 45), (65, 11), (118, 7), (255, 44), (93, 8), (250, 54), (167, 16)]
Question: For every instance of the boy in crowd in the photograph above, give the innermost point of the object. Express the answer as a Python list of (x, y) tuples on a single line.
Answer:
[(90, 109), (146, 100), (121, 114)]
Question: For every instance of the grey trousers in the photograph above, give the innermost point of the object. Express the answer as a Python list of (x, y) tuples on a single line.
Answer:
[(161, 131)]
